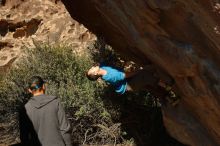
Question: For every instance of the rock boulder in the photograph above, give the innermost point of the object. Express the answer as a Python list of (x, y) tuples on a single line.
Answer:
[(180, 38)]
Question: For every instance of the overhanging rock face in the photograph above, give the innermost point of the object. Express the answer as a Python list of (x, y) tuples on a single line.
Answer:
[(181, 37)]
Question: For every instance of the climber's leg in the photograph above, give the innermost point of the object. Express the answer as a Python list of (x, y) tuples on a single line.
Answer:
[(142, 80)]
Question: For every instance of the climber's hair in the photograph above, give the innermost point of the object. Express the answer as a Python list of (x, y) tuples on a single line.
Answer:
[(35, 83), (92, 77)]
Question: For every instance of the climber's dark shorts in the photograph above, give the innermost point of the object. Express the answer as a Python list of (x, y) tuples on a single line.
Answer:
[(142, 80)]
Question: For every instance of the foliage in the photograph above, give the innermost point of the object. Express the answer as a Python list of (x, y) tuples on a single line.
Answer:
[(98, 115), (64, 72), (103, 53)]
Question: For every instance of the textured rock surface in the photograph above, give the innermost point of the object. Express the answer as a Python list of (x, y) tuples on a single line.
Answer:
[(22, 21), (180, 37)]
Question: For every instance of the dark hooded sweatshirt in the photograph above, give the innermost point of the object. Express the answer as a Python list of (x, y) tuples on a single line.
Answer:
[(49, 120)]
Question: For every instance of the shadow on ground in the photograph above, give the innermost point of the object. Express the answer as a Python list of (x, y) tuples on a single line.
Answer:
[(142, 122)]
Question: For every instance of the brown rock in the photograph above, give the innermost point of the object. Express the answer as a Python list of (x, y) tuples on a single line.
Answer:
[(3, 27), (19, 32), (179, 37), (22, 21)]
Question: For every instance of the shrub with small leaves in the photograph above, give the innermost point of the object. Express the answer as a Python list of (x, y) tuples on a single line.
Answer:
[(64, 72)]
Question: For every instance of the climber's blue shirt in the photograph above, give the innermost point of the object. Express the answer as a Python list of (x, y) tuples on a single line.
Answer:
[(115, 77)]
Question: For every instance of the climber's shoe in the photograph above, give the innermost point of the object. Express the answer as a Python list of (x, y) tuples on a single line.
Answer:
[(173, 98)]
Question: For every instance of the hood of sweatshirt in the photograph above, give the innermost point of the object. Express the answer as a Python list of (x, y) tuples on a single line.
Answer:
[(41, 100)]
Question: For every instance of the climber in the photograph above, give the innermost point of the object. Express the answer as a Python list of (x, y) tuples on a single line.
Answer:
[(43, 121), (125, 81)]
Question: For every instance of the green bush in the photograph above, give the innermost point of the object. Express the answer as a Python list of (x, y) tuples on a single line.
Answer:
[(96, 113), (65, 73)]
